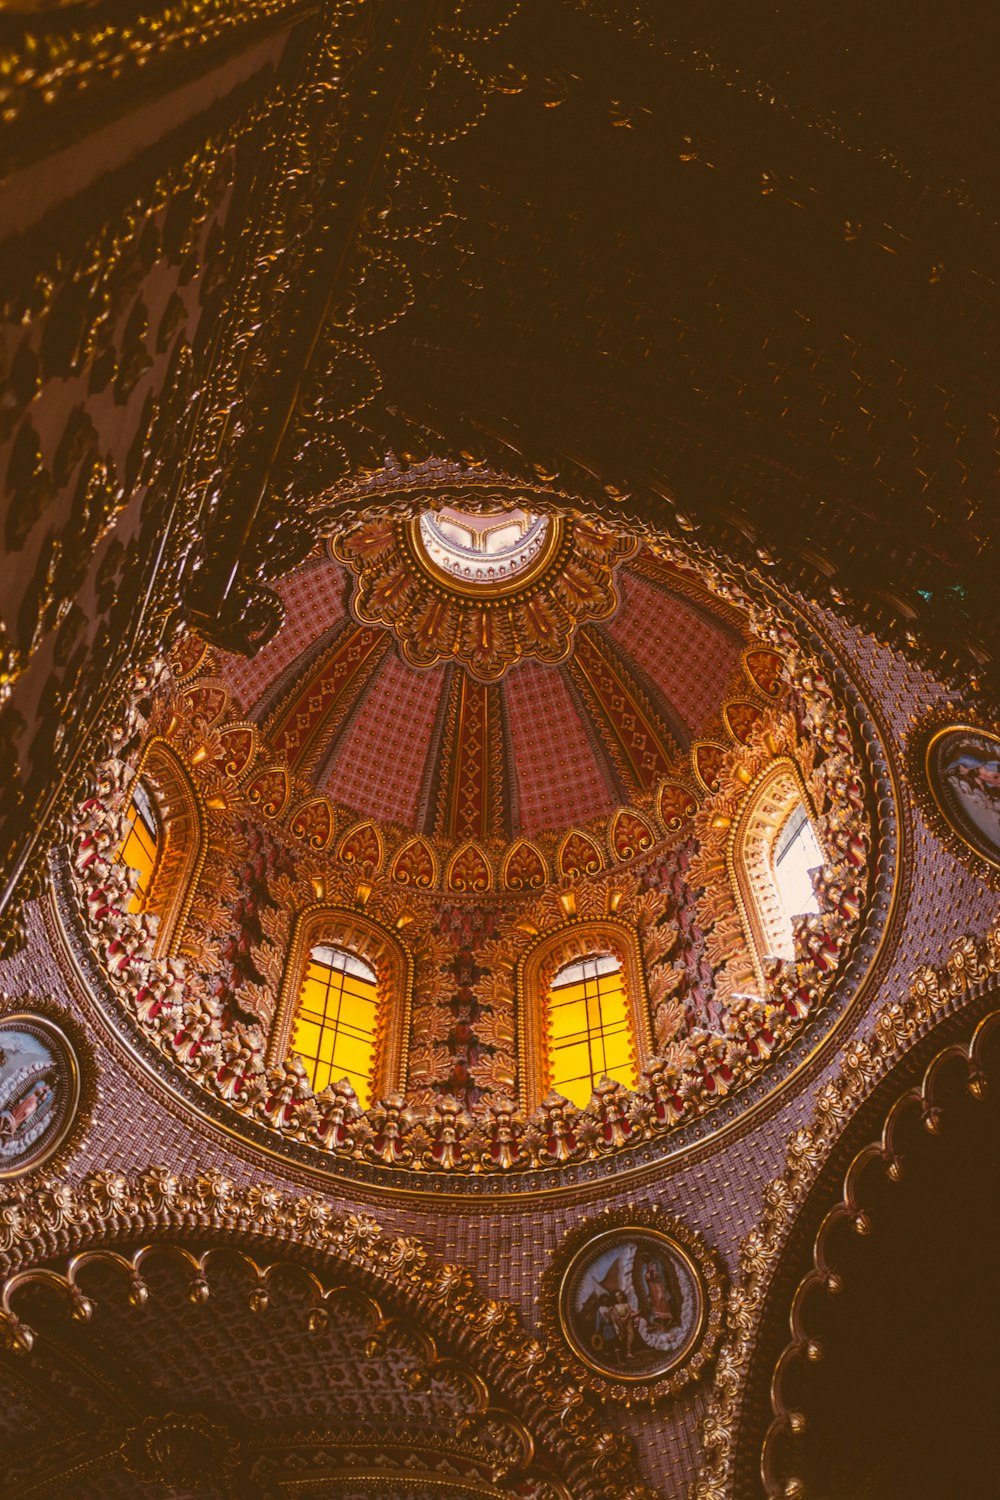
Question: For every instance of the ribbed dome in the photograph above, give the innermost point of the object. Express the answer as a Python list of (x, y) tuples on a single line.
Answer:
[(529, 712)]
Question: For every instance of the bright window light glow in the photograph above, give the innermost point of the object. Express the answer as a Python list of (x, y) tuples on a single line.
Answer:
[(483, 549), (796, 855), (334, 1031), (138, 849), (590, 1034)]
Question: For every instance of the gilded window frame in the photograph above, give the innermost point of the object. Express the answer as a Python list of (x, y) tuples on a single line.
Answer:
[(551, 951), (182, 842), (748, 861), (340, 927)]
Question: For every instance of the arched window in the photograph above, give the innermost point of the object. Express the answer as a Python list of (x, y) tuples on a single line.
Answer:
[(774, 853), (795, 856), (165, 842), (139, 848), (344, 1003), (583, 1011), (334, 1029), (590, 1034)]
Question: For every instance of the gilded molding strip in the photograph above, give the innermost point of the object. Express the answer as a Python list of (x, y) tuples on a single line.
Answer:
[(788, 1421), (934, 994)]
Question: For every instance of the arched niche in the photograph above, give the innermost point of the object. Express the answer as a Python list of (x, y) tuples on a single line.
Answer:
[(165, 1322), (886, 1385), (568, 944), (161, 1334), (182, 842), (375, 945), (771, 800)]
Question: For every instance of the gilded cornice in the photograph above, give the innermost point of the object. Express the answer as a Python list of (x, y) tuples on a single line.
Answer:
[(934, 994)]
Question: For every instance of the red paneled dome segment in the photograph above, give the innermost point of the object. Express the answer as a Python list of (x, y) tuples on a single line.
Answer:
[(485, 670)]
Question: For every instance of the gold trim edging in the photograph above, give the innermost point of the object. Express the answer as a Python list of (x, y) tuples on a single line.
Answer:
[(492, 1349), (690, 1364), (788, 1420), (899, 1024)]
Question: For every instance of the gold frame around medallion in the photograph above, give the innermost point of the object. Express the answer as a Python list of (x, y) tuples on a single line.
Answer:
[(958, 836), (29, 1012), (557, 544), (688, 1365)]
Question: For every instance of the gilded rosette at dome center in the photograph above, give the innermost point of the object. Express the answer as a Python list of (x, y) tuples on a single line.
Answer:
[(486, 623)]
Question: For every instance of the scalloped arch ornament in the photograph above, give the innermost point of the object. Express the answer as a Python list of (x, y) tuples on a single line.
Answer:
[(524, 868), (676, 805), (579, 854), (708, 758), (208, 700), (238, 750), (415, 865), (313, 822), (764, 668), (269, 789), (629, 834), (741, 718), (186, 655), (469, 871), (362, 848)]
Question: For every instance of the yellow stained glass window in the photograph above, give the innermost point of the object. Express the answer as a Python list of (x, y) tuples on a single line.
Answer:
[(138, 848), (590, 1031), (334, 1032)]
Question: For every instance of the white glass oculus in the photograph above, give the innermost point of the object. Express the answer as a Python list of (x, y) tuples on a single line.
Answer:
[(483, 550)]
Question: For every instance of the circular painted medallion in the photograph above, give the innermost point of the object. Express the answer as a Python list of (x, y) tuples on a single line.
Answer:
[(638, 1304), (39, 1090), (963, 769)]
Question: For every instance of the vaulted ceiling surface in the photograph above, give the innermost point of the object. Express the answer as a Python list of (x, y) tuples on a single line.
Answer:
[(917, 81), (204, 1391), (671, 278)]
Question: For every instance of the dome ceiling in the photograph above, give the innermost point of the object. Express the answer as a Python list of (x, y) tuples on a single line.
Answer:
[(490, 706), (716, 714)]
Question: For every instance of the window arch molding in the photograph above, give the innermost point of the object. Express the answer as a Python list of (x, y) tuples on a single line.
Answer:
[(580, 938), (367, 939), (182, 841), (770, 800)]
